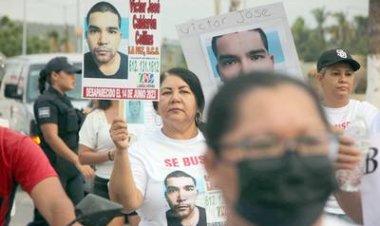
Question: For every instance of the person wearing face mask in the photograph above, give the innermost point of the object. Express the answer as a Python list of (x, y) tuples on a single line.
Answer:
[(272, 160), (138, 176)]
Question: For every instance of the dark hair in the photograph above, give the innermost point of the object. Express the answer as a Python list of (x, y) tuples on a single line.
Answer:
[(223, 109), (42, 79), (104, 104), (178, 173), (259, 30), (103, 7), (195, 86)]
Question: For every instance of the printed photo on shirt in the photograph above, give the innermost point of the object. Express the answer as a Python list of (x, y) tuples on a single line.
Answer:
[(181, 193)]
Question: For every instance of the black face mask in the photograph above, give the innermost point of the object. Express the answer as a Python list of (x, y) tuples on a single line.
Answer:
[(290, 190)]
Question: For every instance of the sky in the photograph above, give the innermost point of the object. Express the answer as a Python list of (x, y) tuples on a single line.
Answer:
[(174, 11)]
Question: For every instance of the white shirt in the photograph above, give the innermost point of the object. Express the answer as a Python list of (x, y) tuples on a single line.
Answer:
[(332, 221), (95, 135), (153, 157), (370, 188), (341, 118)]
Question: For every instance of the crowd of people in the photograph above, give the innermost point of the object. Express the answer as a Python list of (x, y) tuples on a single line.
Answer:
[(269, 168), (266, 154)]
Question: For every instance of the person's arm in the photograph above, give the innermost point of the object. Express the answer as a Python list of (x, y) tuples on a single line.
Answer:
[(89, 156), (348, 157), (350, 202), (51, 200), (93, 127), (50, 133), (122, 187)]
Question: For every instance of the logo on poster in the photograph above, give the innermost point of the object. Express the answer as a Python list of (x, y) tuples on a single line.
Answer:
[(146, 80)]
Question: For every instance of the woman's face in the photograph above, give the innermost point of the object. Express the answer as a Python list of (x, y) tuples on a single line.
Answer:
[(64, 81), (177, 102), (262, 113)]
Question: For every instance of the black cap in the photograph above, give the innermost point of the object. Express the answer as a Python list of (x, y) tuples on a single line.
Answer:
[(61, 64), (334, 56)]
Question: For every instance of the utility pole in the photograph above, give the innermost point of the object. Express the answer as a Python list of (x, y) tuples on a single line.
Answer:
[(217, 7), (24, 31), (234, 5), (78, 29)]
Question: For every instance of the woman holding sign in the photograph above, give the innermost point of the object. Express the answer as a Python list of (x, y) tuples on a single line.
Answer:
[(96, 147), (162, 174)]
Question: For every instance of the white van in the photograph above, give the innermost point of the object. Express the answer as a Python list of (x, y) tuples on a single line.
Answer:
[(19, 89)]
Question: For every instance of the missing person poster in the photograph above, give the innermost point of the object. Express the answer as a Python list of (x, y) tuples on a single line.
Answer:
[(121, 51), (224, 46)]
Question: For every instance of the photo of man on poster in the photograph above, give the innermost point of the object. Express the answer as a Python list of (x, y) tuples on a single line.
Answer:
[(241, 52), (181, 194), (135, 111), (103, 36)]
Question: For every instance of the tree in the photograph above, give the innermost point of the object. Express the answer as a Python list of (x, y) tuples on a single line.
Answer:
[(359, 44), (320, 15), (37, 45), (301, 37), (311, 42), (341, 33), (373, 72), (10, 37), (53, 41)]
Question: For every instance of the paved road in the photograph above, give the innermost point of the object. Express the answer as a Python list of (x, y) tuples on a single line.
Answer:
[(23, 211)]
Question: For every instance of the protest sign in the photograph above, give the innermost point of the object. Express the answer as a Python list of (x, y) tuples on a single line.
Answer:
[(121, 50), (261, 34)]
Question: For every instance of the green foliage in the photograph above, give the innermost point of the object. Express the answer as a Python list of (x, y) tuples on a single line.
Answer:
[(11, 39), (171, 55), (37, 45), (311, 42)]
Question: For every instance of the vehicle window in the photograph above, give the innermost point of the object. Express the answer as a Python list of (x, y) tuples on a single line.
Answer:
[(33, 92), (12, 72), (76, 92)]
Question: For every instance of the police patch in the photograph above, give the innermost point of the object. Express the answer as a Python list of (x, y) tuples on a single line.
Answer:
[(44, 112)]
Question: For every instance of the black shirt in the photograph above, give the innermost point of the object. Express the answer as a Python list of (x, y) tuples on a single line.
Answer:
[(91, 69), (53, 107), (175, 221)]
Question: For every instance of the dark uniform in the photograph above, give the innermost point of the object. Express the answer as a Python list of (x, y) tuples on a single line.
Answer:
[(53, 107)]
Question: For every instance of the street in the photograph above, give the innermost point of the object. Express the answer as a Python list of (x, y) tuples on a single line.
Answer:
[(24, 209)]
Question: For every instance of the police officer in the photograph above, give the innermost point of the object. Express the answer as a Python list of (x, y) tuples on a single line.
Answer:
[(58, 125)]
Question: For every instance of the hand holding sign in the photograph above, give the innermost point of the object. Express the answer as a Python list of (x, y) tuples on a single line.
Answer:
[(119, 134)]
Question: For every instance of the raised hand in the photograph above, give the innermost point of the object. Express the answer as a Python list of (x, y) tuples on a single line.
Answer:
[(119, 134)]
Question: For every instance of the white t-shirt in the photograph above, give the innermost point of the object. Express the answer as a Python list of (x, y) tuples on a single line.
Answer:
[(95, 134), (341, 118), (153, 157), (370, 187), (332, 221)]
